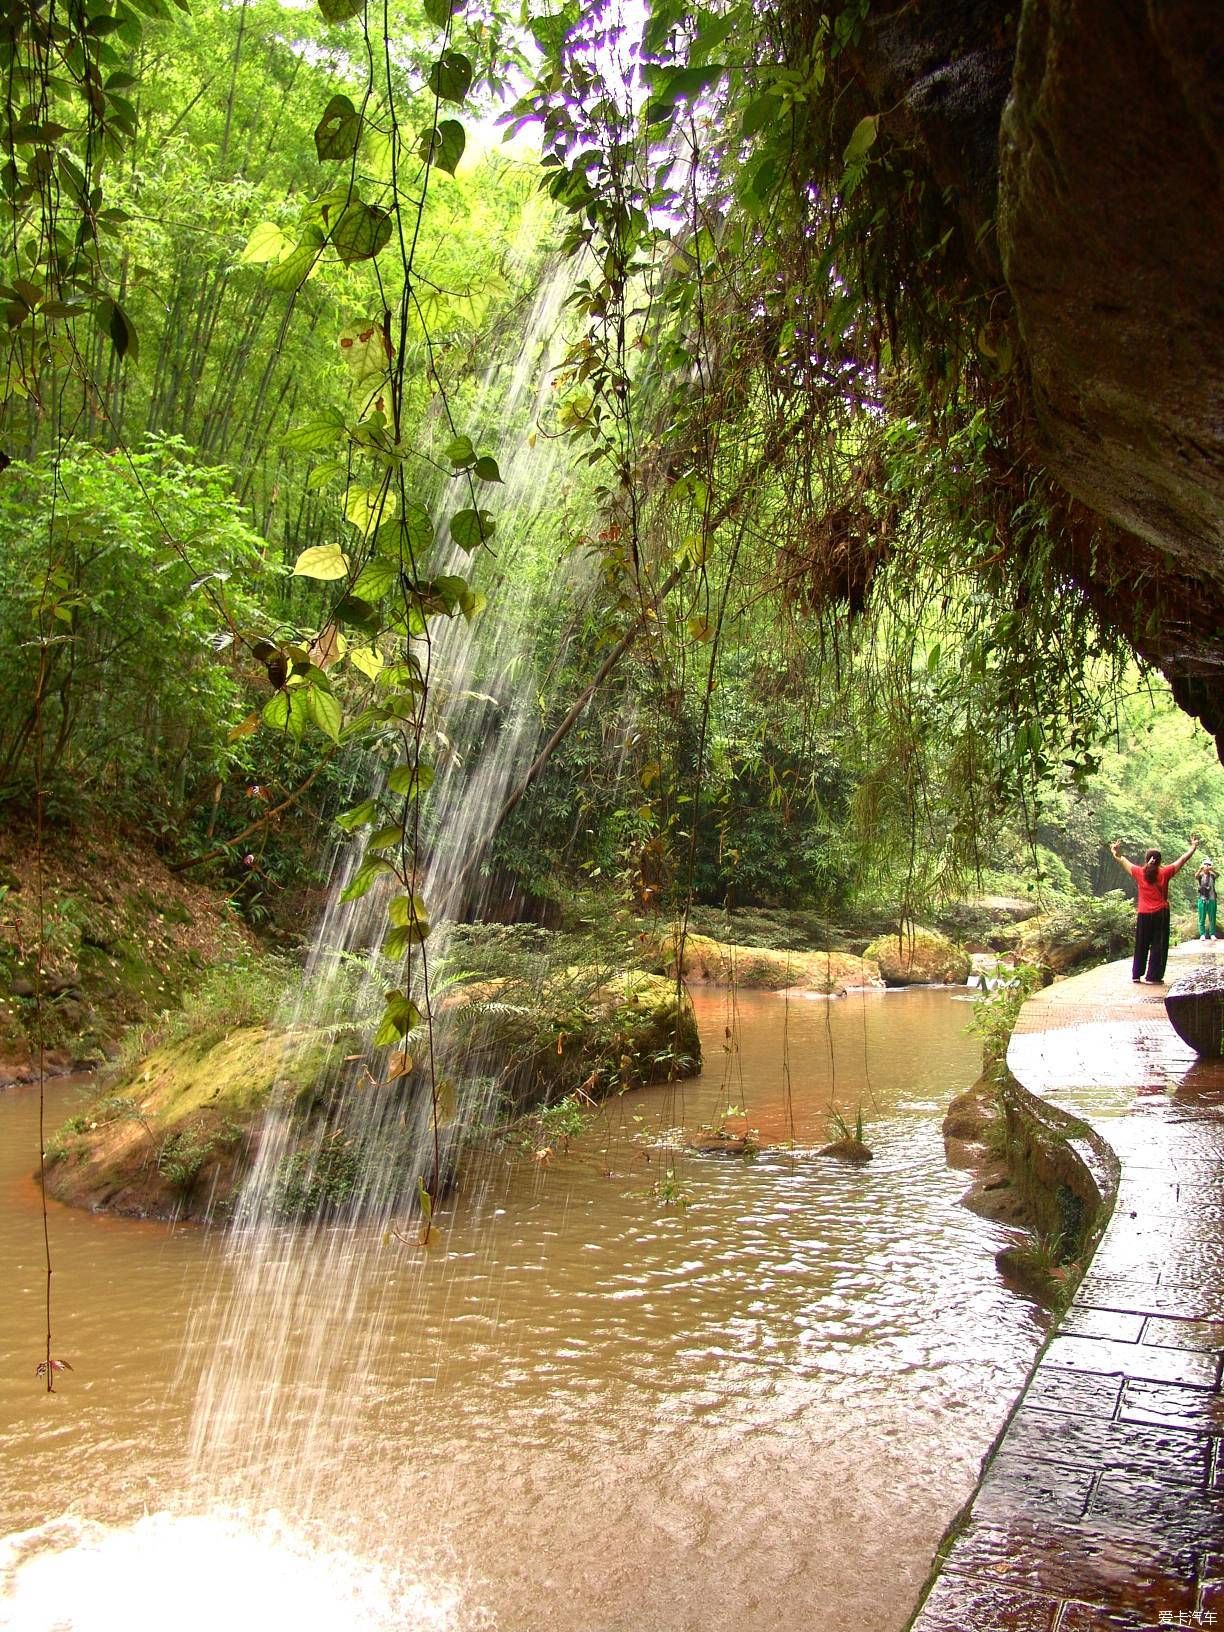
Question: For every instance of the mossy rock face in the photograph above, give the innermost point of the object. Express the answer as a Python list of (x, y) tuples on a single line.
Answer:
[(1079, 933), (920, 957), (758, 968), (174, 1136), (122, 938), (597, 1033)]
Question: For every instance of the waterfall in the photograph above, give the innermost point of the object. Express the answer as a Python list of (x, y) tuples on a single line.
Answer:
[(296, 1306)]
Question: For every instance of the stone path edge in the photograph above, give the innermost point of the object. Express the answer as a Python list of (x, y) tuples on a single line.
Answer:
[(1100, 1505)]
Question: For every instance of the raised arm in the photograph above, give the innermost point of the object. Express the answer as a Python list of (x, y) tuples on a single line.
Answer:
[(1182, 860), (1115, 851)]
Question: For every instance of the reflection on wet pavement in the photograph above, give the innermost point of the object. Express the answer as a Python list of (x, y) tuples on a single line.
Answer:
[(1104, 1504)]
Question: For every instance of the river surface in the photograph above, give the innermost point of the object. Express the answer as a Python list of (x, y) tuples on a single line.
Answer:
[(623, 1391)]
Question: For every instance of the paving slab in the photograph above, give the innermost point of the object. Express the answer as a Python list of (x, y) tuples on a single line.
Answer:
[(1102, 1509)]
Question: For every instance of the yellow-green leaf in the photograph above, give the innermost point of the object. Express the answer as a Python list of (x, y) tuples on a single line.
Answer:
[(325, 561)]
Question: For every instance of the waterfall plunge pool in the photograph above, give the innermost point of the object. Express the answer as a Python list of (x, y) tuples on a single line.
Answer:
[(584, 1405)]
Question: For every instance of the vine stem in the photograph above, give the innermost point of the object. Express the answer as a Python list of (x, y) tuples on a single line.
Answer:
[(40, 896)]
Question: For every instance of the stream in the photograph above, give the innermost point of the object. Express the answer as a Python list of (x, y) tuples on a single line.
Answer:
[(624, 1390)]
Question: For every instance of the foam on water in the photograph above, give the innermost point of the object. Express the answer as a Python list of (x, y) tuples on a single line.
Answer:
[(204, 1571)]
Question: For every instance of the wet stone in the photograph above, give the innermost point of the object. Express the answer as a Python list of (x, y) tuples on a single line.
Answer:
[(1099, 1563), (1092, 1442), (1170, 1406), (1107, 1491), (1168, 1333), (1017, 1485), (1195, 1006), (1053, 1389), (956, 1603), (1092, 1618), (1148, 1296), (1084, 1321), (1169, 1521), (1134, 1360)]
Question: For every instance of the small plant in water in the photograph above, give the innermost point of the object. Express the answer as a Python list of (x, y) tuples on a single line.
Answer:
[(841, 1129), (670, 1191), (549, 1128)]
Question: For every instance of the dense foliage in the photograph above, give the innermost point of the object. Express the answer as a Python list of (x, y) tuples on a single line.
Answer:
[(281, 417)]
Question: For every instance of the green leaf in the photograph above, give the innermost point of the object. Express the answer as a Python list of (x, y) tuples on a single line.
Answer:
[(372, 867), (461, 453), (443, 145), (313, 435), (290, 274), (362, 504), (686, 83), (326, 561), (400, 1016), (473, 602), (410, 918), (324, 711), (410, 781), (361, 232), (485, 469), (450, 78), (266, 243), (338, 132), (861, 139), (406, 536), (386, 838), (366, 660), (339, 11), (407, 909), (364, 351), (440, 12), (760, 114), (357, 816), (450, 589), (286, 711), (375, 579), (325, 472), (470, 528)]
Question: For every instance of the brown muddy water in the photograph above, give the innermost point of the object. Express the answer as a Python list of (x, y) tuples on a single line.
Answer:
[(610, 1398)]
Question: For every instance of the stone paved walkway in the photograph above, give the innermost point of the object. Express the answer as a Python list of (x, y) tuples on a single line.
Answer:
[(1103, 1507)]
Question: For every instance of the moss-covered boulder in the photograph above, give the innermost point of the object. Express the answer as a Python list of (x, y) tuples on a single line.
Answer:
[(173, 1136), (764, 968), (585, 1030), (920, 957)]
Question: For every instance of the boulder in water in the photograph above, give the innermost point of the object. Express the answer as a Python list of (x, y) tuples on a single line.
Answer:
[(1195, 1006), (759, 968), (920, 957), (847, 1150)]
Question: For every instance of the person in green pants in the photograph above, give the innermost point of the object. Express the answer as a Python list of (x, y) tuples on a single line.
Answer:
[(1205, 879)]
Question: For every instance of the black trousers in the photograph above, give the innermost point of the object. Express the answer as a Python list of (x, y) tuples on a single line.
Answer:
[(1151, 944)]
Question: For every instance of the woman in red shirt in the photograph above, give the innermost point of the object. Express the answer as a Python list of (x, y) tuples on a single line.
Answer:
[(1152, 918)]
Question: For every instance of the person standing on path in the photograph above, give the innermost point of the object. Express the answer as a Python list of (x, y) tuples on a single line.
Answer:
[(1152, 918), (1205, 882)]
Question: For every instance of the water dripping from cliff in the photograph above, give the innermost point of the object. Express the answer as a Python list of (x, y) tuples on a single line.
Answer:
[(367, 1145)]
